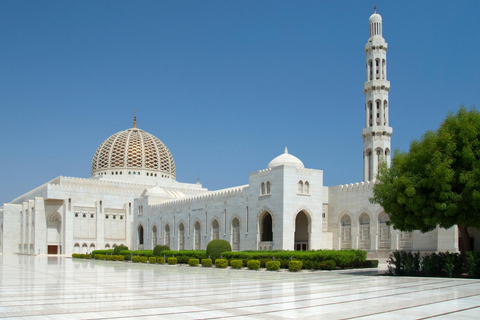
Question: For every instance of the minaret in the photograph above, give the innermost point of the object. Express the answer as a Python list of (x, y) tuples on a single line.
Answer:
[(376, 134)]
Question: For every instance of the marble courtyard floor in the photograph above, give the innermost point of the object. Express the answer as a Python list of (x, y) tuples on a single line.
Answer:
[(50, 287)]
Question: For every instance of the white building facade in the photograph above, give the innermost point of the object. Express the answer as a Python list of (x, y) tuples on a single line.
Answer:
[(133, 198)]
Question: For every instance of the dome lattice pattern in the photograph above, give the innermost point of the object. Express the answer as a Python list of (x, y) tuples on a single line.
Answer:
[(133, 148)]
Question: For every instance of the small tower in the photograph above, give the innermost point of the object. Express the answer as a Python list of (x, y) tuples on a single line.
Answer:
[(376, 134)]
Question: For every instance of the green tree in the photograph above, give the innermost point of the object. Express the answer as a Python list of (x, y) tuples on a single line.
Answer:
[(437, 182)]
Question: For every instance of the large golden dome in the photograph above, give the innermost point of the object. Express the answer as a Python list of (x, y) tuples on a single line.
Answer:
[(133, 152)]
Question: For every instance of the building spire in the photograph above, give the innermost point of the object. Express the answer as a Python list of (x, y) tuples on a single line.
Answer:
[(135, 119)]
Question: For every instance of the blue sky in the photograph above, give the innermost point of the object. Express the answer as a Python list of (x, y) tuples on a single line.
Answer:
[(226, 85)]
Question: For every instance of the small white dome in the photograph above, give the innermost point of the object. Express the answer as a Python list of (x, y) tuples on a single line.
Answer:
[(375, 18), (287, 160), (156, 192)]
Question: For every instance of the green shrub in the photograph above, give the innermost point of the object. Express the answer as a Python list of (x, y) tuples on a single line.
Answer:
[(160, 260), (100, 257), (404, 263), (188, 254), (294, 266), (221, 263), (236, 264), (81, 256), (473, 259), (172, 260), (206, 262), (152, 260), (327, 265), (159, 248), (216, 247), (193, 262), (272, 265), (183, 259), (253, 264), (120, 258), (109, 251), (135, 259), (143, 259), (118, 249), (371, 263)]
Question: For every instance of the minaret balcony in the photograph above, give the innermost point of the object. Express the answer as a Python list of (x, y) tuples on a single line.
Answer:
[(379, 84), (377, 131)]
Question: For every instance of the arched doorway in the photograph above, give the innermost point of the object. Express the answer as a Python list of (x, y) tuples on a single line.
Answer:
[(235, 234), (364, 231), (302, 227), (197, 236), (346, 232), (181, 237), (54, 230), (154, 236), (215, 230), (383, 232), (266, 232), (140, 237), (167, 236)]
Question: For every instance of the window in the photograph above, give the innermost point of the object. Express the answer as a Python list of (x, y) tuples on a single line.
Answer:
[(84, 215), (92, 215), (106, 216), (76, 215)]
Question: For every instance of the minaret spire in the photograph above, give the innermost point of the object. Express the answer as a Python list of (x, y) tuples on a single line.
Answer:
[(377, 132), (135, 119)]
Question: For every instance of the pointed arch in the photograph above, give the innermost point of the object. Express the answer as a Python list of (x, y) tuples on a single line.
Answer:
[(302, 230), (384, 242), (197, 235), (346, 231), (140, 236), (300, 186), (266, 226), (166, 235), (181, 236), (154, 236), (215, 229), (235, 234), (364, 231)]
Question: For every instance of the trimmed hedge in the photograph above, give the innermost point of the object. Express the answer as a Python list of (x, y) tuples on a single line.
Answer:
[(117, 249), (159, 248), (193, 262), (172, 260), (327, 265), (135, 259), (473, 259), (310, 259), (253, 264), (143, 259), (221, 263), (160, 260), (152, 260), (236, 264), (185, 255), (371, 264), (295, 266), (81, 256), (272, 265), (216, 247), (206, 263), (109, 251)]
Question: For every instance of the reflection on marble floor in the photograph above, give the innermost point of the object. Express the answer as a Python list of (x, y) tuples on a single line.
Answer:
[(50, 287)]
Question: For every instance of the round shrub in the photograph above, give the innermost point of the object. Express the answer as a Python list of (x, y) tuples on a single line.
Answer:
[(327, 265), (143, 259), (120, 258), (193, 262), (135, 259), (253, 264), (152, 260), (221, 263), (160, 260), (117, 249), (236, 264), (295, 266), (157, 251), (272, 265), (206, 263), (216, 247), (172, 260)]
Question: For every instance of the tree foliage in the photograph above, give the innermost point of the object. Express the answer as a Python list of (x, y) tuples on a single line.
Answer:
[(437, 182)]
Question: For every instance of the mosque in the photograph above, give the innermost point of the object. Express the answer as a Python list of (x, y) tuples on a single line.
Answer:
[(133, 198)]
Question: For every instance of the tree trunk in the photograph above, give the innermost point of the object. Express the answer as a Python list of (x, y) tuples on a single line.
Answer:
[(465, 242)]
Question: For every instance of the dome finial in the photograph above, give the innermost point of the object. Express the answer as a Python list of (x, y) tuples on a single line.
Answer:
[(135, 119), (286, 150), (374, 9)]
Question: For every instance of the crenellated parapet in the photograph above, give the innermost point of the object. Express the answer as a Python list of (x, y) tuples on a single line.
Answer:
[(213, 196)]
